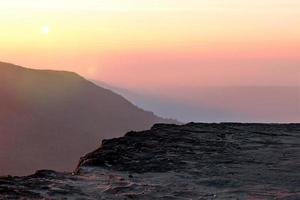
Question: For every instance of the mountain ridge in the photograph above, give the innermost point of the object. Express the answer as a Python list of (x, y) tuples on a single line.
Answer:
[(50, 114)]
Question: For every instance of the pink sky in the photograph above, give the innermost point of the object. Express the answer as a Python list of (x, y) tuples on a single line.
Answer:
[(157, 44)]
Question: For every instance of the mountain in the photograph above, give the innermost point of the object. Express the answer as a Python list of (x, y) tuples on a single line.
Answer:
[(50, 118), (194, 161), (220, 104)]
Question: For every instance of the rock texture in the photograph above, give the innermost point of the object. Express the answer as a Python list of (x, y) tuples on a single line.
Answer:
[(192, 161)]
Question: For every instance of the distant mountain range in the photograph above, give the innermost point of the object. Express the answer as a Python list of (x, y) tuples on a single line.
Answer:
[(219, 103), (50, 118)]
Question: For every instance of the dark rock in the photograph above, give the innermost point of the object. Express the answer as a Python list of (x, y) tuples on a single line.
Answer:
[(192, 161)]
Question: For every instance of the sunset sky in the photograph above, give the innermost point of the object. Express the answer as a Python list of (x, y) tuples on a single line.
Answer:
[(157, 43)]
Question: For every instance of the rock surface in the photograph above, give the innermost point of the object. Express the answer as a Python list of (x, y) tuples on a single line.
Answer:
[(192, 161)]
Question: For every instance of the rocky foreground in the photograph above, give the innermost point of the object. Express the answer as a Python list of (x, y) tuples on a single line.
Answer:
[(193, 161)]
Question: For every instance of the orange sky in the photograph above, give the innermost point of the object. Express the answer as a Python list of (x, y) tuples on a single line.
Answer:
[(144, 44)]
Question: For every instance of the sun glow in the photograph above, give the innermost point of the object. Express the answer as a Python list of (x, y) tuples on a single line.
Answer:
[(45, 29), (140, 34)]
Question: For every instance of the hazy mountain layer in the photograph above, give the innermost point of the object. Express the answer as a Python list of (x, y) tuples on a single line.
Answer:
[(50, 118), (220, 104)]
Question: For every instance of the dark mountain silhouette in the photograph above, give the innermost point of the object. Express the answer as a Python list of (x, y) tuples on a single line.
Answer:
[(50, 118)]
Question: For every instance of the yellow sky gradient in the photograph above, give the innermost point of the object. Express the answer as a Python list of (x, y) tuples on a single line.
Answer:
[(111, 40)]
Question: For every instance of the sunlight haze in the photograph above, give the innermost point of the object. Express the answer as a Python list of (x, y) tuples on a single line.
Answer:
[(196, 42)]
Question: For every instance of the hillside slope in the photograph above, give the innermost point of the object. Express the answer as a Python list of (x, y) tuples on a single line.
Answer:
[(50, 118)]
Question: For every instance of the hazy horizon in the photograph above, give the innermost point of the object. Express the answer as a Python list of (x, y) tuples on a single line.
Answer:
[(166, 50)]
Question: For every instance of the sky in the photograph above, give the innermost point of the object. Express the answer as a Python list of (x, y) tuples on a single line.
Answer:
[(157, 44)]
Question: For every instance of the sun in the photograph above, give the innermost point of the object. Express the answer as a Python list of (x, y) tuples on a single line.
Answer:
[(45, 29)]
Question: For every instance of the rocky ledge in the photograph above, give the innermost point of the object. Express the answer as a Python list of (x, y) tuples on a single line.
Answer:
[(192, 161)]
